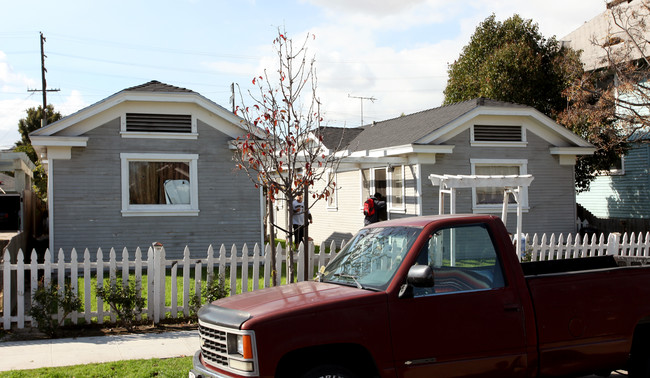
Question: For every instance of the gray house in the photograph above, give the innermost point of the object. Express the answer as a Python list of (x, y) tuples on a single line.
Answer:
[(151, 163), (477, 137)]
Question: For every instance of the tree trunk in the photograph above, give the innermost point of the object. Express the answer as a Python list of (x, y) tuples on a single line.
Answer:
[(274, 273), (290, 243), (305, 250)]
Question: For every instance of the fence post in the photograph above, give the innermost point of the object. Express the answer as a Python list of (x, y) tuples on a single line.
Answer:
[(158, 276), (612, 244), (6, 308)]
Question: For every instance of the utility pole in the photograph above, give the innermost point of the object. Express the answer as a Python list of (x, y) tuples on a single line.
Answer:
[(361, 100), (232, 96), (44, 83)]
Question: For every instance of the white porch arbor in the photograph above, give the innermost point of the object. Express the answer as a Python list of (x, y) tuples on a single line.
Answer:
[(512, 184)]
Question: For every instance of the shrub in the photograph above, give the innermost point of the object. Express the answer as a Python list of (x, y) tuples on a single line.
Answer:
[(124, 300), (46, 303), (214, 289)]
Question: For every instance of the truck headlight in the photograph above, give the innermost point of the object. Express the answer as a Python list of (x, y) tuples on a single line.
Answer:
[(240, 352), (244, 346)]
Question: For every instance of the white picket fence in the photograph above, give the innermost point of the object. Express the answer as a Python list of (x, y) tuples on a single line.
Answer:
[(574, 246), (155, 267), (229, 266)]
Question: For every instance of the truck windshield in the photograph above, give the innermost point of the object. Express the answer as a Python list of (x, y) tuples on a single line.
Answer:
[(371, 258)]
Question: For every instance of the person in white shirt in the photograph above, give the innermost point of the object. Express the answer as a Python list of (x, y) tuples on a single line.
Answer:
[(298, 220)]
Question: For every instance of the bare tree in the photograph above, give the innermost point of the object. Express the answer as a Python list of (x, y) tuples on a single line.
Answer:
[(609, 105), (626, 50), (283, 151)]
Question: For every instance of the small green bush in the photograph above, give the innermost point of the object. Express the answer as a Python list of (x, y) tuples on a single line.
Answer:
[(214, 289), (124, 300), (46, 303)]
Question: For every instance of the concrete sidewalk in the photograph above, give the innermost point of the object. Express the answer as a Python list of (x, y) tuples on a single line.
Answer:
[(22, 355)]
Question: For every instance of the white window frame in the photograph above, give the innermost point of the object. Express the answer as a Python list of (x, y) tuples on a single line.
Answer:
[(497, 208), (193, 135), (522, 143), (334, 195), (371, 187), (191, 209), (615, 171), (391, 206)]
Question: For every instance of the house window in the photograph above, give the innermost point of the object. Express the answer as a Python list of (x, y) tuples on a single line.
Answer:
[(331, 200), (498, 135), (159, 184), (396, 198), (618, 167), (491, 198)]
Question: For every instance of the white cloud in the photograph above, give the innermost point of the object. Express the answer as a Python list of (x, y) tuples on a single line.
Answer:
[(355, 55), (389, 14), (71, 104), (231, 68), (11, 81), (373, 7), (11, 111)]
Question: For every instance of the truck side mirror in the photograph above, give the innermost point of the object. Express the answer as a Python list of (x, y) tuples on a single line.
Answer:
[(420, 276)]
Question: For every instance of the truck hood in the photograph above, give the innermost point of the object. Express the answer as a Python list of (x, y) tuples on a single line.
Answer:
[(279, 301)]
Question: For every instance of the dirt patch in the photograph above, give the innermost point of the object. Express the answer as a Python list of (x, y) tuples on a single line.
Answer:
[(86, 330)]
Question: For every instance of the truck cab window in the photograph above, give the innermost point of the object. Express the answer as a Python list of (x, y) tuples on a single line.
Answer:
[(463, 258), (371, 258)]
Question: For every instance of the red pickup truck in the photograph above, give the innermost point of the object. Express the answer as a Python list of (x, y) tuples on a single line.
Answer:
[(438, 296)]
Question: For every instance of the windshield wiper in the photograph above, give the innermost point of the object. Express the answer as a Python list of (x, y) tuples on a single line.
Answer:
[(354, 278)]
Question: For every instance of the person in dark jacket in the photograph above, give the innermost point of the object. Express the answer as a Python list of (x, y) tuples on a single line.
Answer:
[(379, 213)]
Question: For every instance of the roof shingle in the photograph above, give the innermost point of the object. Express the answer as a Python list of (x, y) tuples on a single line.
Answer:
[(156, 86), (410, 128)]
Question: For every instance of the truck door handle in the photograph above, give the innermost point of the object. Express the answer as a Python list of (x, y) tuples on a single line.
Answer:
[(511, 307)]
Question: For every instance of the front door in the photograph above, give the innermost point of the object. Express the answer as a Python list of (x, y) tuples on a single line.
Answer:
[(470, 323)]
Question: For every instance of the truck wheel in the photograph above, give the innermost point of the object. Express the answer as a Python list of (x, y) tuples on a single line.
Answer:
[(639, 365), (329, 371)]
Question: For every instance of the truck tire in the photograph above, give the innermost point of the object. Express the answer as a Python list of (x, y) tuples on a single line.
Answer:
[(329, 371), (640, 364)]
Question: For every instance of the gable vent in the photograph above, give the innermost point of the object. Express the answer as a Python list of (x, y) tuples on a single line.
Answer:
[(490, 133), (159, 123)]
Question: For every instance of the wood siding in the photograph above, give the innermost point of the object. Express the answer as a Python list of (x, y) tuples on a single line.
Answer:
[(87, 197), (624, 195)]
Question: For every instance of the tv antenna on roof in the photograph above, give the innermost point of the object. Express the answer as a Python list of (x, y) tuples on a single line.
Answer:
[(361, 100)]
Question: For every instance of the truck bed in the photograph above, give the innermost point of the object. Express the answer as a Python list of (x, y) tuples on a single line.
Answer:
[(586, 310), (568, 265)]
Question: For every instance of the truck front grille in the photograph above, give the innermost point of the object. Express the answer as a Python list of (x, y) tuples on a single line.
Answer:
[(213, 345)]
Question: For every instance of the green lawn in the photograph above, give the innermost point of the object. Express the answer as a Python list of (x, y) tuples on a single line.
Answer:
[(179, 284), (168, 367)]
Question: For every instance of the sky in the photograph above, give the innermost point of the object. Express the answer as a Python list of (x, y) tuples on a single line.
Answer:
[(393, 53)]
